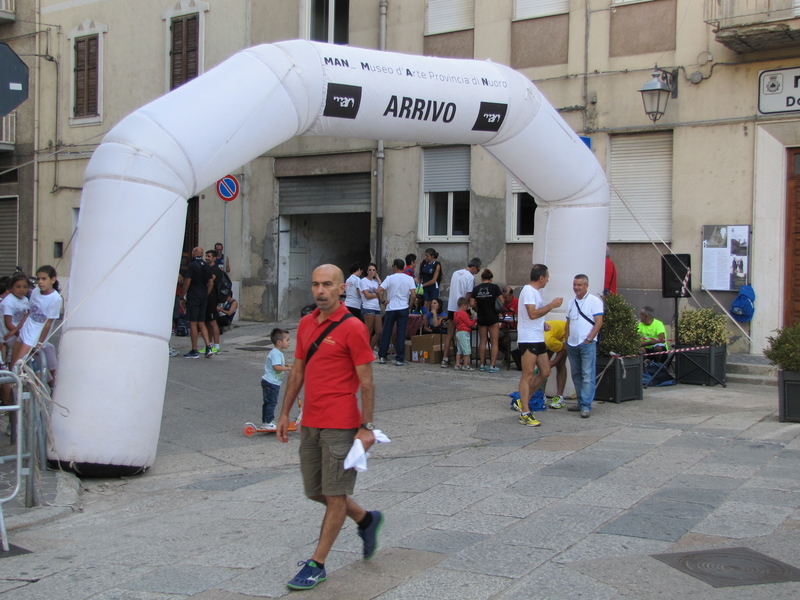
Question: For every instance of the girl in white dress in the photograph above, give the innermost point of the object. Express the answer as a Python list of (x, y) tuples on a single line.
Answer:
[(45, 308)]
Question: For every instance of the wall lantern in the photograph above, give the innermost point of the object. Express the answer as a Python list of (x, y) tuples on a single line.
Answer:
[(656, 92)]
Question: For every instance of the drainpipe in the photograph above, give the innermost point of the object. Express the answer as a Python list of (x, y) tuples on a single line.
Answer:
[(380, 156)]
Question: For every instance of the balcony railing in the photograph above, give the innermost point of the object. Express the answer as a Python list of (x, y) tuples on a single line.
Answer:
[(8, 131), (7, 8), (725, 14)]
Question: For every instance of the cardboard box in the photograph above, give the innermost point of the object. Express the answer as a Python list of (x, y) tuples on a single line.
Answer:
[(427, 348), (408, 350), (424, 356)]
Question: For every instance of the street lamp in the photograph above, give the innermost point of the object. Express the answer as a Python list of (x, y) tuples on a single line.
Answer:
[(656, 92)]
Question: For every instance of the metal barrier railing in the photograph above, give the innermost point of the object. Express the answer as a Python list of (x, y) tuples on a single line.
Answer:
[(9, 377), (28, 437)]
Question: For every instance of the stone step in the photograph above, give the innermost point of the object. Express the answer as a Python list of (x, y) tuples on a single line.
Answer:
[(750, 379), (750, 369)]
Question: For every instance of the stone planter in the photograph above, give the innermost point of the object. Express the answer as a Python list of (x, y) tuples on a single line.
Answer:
[(788, 396), (618, 384), (693, 367)]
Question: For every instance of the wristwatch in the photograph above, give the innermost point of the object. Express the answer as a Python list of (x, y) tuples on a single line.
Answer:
[(369, 426)]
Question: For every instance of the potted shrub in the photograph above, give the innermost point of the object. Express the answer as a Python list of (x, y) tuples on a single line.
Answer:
[(784, 352), (706, 329), (618, 357)]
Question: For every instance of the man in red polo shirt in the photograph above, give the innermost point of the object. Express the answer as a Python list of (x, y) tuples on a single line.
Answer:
[(342, 362)]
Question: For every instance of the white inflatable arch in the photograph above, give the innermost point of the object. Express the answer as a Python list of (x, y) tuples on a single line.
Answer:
[(113, 350)]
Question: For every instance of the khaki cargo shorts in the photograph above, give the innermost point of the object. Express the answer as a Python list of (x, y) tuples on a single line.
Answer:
[(322, 454)]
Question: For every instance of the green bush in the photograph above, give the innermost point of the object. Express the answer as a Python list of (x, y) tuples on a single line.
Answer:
[(620, 331), (702, 328), (784, 348)]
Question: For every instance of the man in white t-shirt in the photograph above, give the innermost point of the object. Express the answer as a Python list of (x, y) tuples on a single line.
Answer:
[(584, 320), (461, 284), (530, 339), (396, 292), (352, 291)]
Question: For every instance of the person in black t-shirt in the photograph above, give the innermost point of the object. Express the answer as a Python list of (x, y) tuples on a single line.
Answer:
[(213, 300), (195, 296), (486, 295)]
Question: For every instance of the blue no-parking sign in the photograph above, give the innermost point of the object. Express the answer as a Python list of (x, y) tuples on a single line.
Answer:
[(228, 188)]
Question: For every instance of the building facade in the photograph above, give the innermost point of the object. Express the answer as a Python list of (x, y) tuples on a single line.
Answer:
[(18, 218), (720, 156)]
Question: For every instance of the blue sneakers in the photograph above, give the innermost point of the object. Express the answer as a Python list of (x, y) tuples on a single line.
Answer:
[(309, 576), (370, 534)]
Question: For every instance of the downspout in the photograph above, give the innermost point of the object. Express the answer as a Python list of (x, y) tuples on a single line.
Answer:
[(36, 167), (588, 14), (380, 156)]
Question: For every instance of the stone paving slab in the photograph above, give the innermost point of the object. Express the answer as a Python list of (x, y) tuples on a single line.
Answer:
[(675, 492), (448, 585), (549, 487), (743, 520), (441, 541), (551, 581), (504, 560), (609, 546), (181, 579), (599, 493), (669, 508), (687, 468), (649, 526), (557, 526)]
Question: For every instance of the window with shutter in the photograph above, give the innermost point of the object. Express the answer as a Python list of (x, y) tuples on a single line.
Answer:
[(87, 73), (185, 26), (442, 16), (446, 194), (185, 49), (531, 9), (9, 232), (86, 77), (641, 173)]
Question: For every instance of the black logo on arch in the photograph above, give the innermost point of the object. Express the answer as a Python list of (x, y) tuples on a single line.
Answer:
[(490, 116), (342, 101)]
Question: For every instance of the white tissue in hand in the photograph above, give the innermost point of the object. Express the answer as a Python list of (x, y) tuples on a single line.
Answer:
[(357, 457)]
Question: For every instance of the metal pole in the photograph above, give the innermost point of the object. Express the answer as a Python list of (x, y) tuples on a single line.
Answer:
[(225, 232)]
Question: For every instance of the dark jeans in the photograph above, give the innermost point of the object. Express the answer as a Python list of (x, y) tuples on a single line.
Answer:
[(389, 319), (271, 392)]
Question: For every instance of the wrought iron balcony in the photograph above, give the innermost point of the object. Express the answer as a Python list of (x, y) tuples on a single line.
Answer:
[(7, 11), (753, 25)]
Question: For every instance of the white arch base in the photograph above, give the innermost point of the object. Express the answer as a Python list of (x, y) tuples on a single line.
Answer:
[(114, 344)]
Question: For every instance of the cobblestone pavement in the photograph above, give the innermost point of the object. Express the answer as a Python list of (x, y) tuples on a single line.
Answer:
[(477, 505)]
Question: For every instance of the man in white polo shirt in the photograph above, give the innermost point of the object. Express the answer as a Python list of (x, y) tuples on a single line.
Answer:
[(584, 320), (396, 292), (461, 284), (530, 339)]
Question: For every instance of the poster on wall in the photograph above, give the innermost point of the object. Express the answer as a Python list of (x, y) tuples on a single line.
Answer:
[(726, 256)]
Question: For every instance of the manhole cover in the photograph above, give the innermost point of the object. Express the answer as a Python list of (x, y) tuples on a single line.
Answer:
[(731, 566)]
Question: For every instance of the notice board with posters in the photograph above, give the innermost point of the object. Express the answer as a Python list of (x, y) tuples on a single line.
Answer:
[(726, 256)]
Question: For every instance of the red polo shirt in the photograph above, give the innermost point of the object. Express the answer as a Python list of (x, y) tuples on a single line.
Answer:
[(512, 308), (330, 380)]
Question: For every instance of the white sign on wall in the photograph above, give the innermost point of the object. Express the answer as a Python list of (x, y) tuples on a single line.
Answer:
[(779, 91)]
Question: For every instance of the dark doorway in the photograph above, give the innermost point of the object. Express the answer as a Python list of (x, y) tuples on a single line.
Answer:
[(191, 234)]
